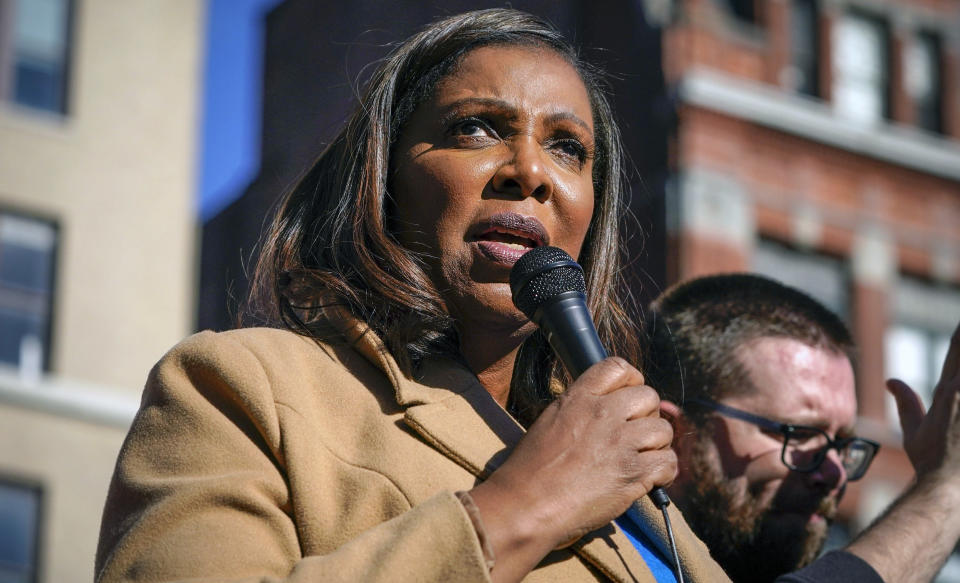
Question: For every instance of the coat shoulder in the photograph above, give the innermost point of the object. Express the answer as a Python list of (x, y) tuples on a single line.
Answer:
[(248, 348), (284, 363)]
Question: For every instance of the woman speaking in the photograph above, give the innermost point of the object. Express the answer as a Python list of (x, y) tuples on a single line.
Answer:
[(375, 431)]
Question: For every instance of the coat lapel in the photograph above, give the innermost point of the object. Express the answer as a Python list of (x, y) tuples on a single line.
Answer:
[(442, 406), (695, 558), (443, 421)]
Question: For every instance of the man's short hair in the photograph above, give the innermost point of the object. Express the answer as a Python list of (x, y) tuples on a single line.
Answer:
[(695, 327)]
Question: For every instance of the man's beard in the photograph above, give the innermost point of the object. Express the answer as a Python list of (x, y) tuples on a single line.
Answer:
[(751, 540)]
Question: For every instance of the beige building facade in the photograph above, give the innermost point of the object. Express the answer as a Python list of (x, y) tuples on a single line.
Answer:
[(99, 105)]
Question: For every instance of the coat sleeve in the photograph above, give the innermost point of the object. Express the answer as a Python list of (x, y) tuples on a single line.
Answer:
[(834, 567), (200, 491)]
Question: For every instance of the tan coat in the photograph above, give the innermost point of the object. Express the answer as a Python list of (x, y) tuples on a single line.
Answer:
[(259, 455)]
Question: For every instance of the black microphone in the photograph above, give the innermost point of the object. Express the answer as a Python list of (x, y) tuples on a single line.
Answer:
[(549, 288)]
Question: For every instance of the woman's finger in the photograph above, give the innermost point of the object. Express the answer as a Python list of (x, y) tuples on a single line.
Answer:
[(648, 434), (631, 403), (607, 376)]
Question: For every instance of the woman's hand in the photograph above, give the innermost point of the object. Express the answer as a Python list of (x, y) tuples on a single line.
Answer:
[(597, 448)]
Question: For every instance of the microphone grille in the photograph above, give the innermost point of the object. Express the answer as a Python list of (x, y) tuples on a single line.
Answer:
[(541, 274)]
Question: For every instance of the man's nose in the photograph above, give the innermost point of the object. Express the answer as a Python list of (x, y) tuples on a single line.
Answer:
[(829, 475)]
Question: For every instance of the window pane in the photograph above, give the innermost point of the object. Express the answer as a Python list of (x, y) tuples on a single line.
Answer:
[(803, 34), (923, 315), (922, 80), (938, 353), (25, 268), (27, 253), (926, 305), (21, 331), (822, 278), (19, 525), (860, 68), (907, 355), (40, 51)]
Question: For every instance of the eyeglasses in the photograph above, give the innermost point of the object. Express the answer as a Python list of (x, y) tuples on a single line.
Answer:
[(805, 447)]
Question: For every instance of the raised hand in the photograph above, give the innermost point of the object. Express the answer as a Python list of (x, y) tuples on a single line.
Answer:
[(932, 439), (922, 525)]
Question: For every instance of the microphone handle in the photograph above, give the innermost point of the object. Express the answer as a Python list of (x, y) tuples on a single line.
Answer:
[(566, 322)]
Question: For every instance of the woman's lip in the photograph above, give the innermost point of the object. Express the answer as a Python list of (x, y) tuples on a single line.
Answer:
[(514, 224), (500, 252)]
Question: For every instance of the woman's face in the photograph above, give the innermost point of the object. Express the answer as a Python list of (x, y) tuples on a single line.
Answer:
[(499, 161)]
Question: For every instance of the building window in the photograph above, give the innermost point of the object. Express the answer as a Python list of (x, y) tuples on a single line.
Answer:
[(34, 52), (804, 41), (915, 344), (825, 279), (27, 265), (861, 82), (922, 79), (20, 507)]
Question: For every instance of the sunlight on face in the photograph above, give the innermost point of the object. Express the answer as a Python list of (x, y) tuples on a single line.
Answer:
[(499, 161)]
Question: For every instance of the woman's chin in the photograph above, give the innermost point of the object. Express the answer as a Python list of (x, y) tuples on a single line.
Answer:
[(489, 307)]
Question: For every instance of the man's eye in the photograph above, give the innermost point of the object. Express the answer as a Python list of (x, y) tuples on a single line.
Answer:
[(803, 437)]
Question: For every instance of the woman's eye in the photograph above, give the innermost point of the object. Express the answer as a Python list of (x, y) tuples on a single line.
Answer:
[(472, 128), (572, 149)]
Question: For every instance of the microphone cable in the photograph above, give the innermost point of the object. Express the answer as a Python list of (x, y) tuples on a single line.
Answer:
[(661, 500)]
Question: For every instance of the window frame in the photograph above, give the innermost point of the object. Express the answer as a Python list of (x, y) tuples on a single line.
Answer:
[(837, 265), (908, 292), (7, 81), (936, 43), (39, 536), (883, 26), (5, 209), (812, 8)]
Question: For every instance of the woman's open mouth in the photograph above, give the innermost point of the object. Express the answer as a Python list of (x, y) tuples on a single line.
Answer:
[(505, 237)]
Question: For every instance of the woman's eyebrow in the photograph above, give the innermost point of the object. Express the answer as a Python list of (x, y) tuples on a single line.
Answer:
[(569, 116), (450, 109)]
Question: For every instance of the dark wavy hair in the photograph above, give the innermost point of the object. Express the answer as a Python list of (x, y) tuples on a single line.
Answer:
[(331, 236), (694, 329)]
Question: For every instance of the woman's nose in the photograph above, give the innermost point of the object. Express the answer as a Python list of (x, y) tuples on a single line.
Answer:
[(525, 173)]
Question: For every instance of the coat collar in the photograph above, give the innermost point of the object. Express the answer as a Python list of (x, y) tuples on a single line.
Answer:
[(447, 398)]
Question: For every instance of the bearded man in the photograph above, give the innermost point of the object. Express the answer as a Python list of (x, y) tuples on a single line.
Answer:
[(757, 380)]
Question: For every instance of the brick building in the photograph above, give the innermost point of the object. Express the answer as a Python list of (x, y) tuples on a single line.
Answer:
[(818, 141)]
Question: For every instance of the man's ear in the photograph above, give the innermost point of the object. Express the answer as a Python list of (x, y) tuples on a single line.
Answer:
[(683, 429), (684, 437)]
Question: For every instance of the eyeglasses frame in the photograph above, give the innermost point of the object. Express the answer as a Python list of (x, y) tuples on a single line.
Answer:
[(785, 429)]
